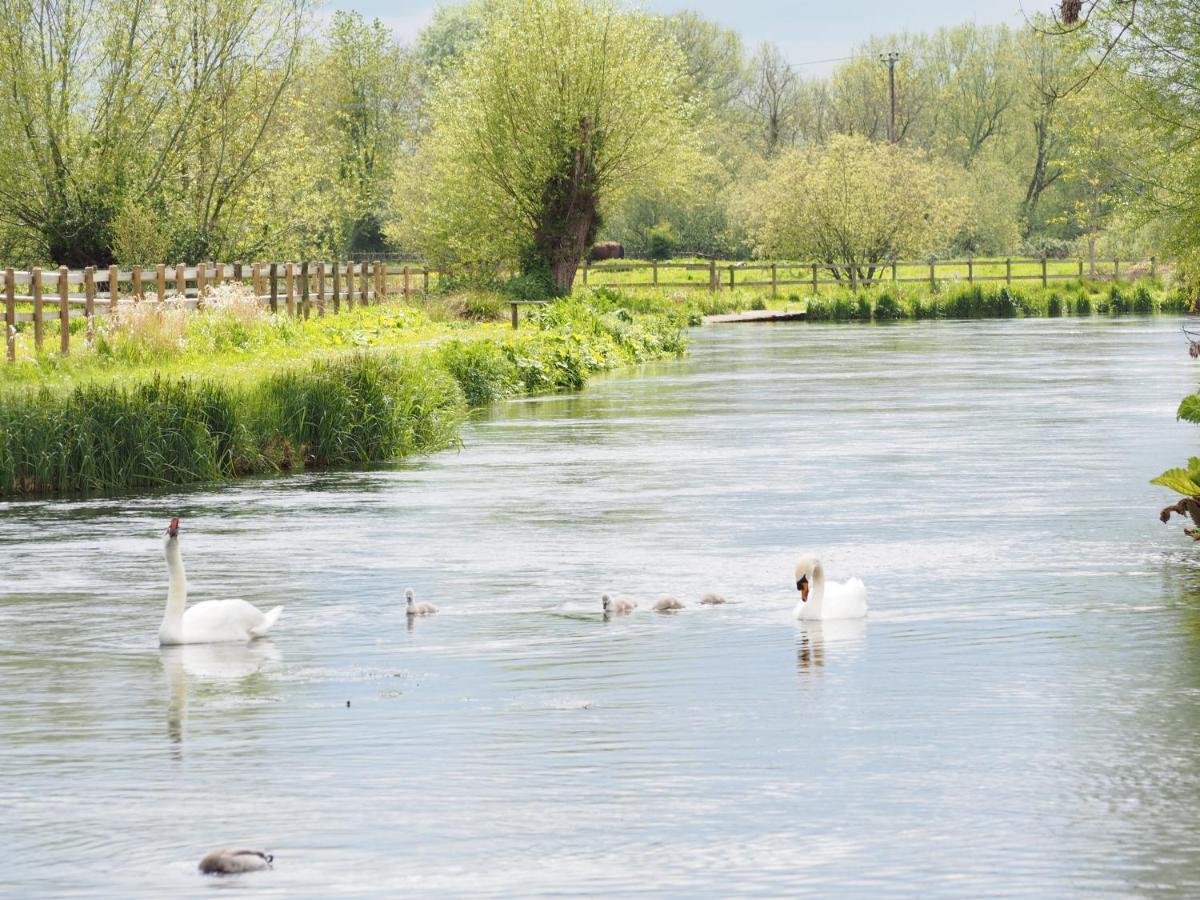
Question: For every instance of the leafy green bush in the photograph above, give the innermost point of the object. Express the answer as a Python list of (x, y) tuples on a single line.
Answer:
[(1143, 302), (887, 308), (661, 242), (482, 368), (1118, 302)]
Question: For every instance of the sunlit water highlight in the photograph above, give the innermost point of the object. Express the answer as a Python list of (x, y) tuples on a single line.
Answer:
[(1020, 715)]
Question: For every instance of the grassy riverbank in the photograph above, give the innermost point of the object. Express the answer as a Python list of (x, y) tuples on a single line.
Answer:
[(171, 397), (950, 301)]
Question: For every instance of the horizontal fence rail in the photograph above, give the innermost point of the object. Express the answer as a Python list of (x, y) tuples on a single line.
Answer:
[(715, 276), (300, 289), (297, 289)]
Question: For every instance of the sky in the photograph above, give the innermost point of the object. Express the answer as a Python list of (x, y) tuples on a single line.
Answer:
[(806, 32)]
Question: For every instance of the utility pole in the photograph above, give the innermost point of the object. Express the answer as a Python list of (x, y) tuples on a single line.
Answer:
[(890, 59)]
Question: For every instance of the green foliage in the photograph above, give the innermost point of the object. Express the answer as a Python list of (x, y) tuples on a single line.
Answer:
[(483, 369), (853, 203), (661, 242), (560, 106), (1182, 481), (1189, 409), (334, 391)]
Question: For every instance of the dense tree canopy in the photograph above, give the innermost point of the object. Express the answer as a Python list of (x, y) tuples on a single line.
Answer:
[(560, 106), (854, 204), (515, 131)]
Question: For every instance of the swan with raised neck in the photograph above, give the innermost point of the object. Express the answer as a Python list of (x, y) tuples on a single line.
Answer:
[(208, 622)]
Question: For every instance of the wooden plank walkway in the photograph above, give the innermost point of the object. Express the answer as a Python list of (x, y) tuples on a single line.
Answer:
[(756, 315)]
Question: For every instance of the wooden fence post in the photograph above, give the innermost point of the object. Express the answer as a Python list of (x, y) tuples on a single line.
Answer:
[(305, 299), (970, 271), (181, 280), (516, 316), (10, 313), (201, 282), (424, 280), (774, 281), (160, 282), (712, 275), (731, 276), (363, 296), (137, 284), (89, 303), (815, 288), (321, 289), (337, 286), (654, 272), (64, 310), (1081, 267), (289, 288), (932, 273), (407, 283), (35, 283), (274, 276), (1044, 281), (381, 282), (256, 281), (114, 289), (237, 271)]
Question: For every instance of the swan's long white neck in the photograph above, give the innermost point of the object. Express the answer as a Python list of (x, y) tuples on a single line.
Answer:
[(816, 590), (171, 629)]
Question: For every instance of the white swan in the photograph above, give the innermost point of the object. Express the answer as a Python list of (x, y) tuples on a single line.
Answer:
[(210, 622), (835, 600), (712, 600), (621, 606), (668, 604), (234, 862), (412, 608)]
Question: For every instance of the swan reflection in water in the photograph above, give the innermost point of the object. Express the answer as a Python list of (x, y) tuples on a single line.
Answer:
[(819, 637), (231, 668)]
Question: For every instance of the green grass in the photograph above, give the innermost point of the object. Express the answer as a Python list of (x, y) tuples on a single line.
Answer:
[(692, 274), (223, 394), (949, 301)]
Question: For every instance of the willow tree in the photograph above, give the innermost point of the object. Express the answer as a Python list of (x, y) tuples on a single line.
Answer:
[(560, 108), (854, 205), (107, 105)]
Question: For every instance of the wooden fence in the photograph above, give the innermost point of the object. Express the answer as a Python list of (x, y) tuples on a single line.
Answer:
[(715, 276), (300, 289), (48, 295)]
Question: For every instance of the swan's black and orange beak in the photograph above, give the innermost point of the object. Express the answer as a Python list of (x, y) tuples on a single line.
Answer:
[(802, 587), (173, 528)]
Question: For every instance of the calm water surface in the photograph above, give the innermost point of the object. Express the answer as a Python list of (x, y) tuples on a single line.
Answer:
[(1020, 715)]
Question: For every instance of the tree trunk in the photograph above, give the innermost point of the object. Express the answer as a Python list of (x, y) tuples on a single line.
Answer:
[(569, 212)]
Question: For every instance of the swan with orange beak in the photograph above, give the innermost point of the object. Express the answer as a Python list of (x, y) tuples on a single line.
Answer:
[(832, 600)]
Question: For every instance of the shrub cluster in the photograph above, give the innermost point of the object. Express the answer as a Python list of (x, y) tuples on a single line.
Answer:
[(998, 302)]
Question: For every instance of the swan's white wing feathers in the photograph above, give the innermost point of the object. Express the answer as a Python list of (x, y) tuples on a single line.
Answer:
[(226, 620), (845, 599)]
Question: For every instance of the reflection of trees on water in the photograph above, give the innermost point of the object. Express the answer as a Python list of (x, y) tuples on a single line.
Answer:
[(213, 670), (823, 640)]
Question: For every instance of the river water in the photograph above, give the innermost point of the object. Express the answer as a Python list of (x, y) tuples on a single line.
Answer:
[(1019, 715)]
